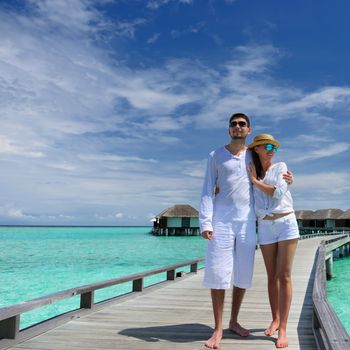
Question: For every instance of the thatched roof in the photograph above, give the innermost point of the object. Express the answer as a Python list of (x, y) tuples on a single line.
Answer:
[(345, 215), (304, 214), (179, 210), (324, 214)]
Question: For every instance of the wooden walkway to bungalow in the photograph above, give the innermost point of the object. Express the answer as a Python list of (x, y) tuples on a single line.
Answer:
[(178, 315)]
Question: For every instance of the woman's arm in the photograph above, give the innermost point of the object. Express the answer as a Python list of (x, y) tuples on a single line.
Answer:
[(268, 189), (281, 186)]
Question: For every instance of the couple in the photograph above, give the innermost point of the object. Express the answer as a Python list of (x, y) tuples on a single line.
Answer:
[(236, 177)]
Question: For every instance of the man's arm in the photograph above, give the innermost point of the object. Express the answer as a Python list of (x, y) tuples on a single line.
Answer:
[(207, 199)]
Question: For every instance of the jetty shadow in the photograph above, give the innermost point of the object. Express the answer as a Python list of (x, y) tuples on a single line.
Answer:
[(183, 333)]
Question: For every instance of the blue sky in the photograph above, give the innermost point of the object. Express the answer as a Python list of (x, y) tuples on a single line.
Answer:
[(109, 108)]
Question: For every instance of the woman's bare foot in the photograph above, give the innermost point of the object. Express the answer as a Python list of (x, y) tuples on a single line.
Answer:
[(272, 328), (235, 327), (214, 341), (282, 340)]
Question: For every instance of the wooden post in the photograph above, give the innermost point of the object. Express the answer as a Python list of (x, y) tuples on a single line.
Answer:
[(336, 253), (194, 268), (87, 300), (137, 285), (329, 267), (170, 275), (346, 249), (9, 328)]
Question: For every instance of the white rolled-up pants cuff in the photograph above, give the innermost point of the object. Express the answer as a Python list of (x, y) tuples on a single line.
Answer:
[(230, 255)]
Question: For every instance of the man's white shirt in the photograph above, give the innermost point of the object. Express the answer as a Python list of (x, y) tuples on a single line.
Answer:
[(235, 198)]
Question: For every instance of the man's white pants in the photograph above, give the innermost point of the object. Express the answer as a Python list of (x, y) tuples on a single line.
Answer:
[(230, 255)]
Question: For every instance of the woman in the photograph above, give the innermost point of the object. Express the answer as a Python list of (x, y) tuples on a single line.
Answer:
[(277, 229)]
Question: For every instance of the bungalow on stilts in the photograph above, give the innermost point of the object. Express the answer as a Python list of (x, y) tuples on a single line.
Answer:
[(178, 220)]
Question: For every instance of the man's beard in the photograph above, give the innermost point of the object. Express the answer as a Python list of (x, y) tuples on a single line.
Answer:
[(236, 137)]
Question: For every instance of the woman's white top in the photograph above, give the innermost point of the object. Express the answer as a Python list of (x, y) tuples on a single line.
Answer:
[(281, 201), (235, 199)]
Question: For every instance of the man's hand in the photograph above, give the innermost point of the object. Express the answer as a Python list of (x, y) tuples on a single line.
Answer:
[(207, 235), (288, 177)]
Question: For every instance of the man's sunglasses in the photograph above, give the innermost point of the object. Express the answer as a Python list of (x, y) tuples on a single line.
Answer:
[(234, 123), (270, 147)]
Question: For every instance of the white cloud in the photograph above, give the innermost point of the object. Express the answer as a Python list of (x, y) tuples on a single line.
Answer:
[(128, 29), (155, 4), (154, 38), (326, 150), (329, 183), (63, 166), (196, 28), (74, 15), (194, 168), (114, 158), (8, 146), (15, 213)]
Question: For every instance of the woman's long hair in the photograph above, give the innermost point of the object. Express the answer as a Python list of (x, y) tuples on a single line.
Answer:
[(257, 163)]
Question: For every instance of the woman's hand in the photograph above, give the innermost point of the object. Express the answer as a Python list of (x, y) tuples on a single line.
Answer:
[(252, 171), (288, 177)]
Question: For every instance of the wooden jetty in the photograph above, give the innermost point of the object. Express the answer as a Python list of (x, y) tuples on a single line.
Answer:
[(178, 314)]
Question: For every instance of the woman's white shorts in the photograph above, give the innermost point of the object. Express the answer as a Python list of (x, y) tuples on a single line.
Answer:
[(282, 229), (230, 255)]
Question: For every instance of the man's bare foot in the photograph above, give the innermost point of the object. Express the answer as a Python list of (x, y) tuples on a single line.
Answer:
[(282, 340), (272, 328), (214, 341), (235, 327)]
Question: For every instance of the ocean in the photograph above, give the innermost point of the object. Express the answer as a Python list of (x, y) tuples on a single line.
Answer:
[(37, 261), (338, 290)]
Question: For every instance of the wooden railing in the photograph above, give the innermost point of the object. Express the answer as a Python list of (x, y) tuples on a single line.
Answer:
[(10, 316), (322, 231), (329, 332), (321, 234)]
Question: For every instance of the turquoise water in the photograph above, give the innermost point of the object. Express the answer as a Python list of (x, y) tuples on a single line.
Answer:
[(37, 261), (338, 290)]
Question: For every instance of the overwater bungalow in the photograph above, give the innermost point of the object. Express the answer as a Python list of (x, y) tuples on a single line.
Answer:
[(304, 218), (326, 217), (343, 220), (178, 220), (323, 219)]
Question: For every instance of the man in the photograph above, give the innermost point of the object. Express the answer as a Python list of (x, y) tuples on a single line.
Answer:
[(227, 220)]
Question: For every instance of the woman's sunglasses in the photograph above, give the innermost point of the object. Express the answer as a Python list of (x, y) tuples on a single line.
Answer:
[(270, 147)]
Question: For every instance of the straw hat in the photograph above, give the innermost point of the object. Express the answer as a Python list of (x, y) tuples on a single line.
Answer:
[(263, 139)]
